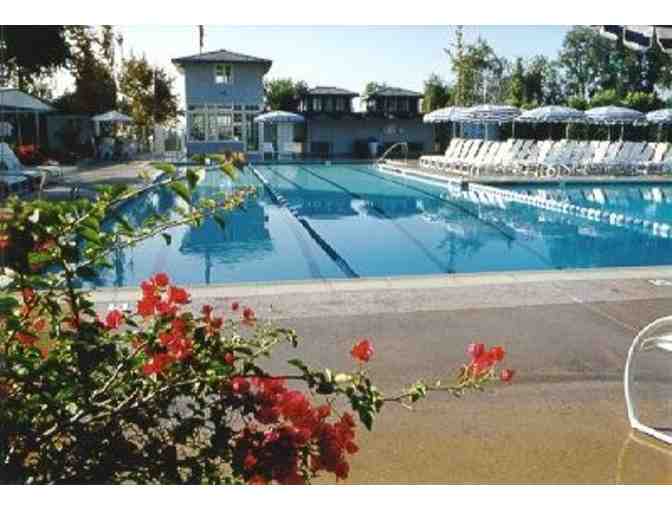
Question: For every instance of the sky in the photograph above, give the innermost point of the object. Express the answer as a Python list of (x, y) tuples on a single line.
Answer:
[(342, 56)]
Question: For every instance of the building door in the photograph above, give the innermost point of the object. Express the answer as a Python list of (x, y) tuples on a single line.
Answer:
[(285, 136)]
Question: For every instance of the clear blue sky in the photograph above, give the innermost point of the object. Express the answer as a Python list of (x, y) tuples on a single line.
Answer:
[(346, 56)]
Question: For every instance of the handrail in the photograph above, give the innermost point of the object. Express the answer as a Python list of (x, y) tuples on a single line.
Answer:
[(381, 159)]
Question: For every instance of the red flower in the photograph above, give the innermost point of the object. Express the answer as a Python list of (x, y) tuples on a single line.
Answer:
[(497, 353), (248, 315), (26, 339), (39, 325), (507, 374), (475, 350), (206, 311), (161, 279), (257, 480), (148, 288), (250, 461), (157, 364), (229, 358), (28, 295), (362, 351), (4, 241), (483, 363), (147, 306), (178, 295), (240, 385), (165, 308), (234, 306), (114, 319)]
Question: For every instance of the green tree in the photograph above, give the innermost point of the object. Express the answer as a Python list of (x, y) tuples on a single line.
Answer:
[(95, 87), (591, 63), (372, 86), (437, 93), (516, 92), (284, 94), (33, 53), (478, 70), (147, 94), (643, 101)]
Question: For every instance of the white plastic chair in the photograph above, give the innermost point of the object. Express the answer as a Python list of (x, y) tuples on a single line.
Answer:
[(654, 339)]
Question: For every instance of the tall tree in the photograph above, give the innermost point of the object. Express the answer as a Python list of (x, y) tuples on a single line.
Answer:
[(91, 64), (437, 93), (284, 93), (478, 71), (33, 53), (591, 63), (147, 94)]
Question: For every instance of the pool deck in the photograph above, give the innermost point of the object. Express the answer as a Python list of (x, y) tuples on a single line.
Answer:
[(567, 334)]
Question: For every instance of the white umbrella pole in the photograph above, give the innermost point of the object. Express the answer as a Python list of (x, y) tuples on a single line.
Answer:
[(622, 131)]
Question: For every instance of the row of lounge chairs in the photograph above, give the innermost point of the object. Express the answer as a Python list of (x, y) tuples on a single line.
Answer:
[(551, 158), (16, 178)]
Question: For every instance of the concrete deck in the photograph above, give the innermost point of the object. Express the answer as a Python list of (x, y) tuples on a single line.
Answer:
[(567, 334)]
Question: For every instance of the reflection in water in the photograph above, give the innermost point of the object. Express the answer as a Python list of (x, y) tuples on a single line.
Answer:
[(383, 226), (643, 460)]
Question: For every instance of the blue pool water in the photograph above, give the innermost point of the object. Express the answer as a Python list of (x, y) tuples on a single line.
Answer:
[(347, 221)]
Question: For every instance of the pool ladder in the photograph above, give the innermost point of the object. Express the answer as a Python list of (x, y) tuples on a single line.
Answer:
[(382, 158)]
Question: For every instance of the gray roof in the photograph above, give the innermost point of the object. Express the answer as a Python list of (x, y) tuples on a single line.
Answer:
[(331, 91), (220, 56), (395, 91)]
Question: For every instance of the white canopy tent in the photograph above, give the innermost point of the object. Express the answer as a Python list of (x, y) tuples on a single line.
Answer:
[(111, 117), (14, 102)]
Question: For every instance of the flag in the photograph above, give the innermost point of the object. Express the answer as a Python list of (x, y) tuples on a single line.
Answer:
[(201, 37)]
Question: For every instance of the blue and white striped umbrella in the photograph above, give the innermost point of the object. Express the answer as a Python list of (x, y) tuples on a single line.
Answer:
[(448, 114), (660, 116), (552, 114), (639, 37), (495, 113), (614, 115), (279, 117)]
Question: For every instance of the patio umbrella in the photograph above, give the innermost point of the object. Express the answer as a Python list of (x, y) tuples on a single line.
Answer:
[(660, 117), (280, 117), (452, 114), (492, 114), (112, 116), (610, 115), (448, 114), (552, 115)]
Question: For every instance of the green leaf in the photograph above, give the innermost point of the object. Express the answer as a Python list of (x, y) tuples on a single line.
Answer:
[(167, 168), (91, 235), (194, 177), (168, 238), (8, 304), (295, 362), (228, 169), (181, 190)]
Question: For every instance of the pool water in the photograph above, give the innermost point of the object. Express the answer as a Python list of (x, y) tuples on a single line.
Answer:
[(349, 221)]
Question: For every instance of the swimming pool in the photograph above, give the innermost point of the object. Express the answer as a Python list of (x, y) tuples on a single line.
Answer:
[(349, 221)]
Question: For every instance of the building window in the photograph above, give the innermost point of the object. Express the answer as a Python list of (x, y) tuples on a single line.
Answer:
[(328, 104), (224, 127), (317, 104), (340, 104), (197, 127), (223, 74)]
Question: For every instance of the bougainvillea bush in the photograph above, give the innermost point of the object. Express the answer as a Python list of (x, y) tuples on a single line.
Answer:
[(163, 391)]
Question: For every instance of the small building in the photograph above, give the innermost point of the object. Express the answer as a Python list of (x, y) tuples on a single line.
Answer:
[(334, 102), (392, 115), (224, 92)]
